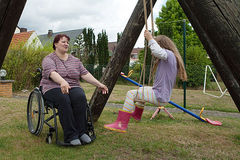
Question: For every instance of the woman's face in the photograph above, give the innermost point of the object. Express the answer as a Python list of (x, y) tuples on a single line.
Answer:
[(62, 45)]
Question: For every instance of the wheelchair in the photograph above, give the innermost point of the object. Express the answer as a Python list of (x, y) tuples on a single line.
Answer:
[(38, 108)]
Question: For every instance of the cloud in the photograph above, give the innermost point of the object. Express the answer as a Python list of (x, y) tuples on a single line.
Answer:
[(62, 15)]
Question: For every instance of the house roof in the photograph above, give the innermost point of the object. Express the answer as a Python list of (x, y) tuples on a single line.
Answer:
[(71, 33), (112, 46), (137, 50), (19, 39)]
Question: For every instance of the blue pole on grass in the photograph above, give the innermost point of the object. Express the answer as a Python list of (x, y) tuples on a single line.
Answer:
[(185, 110), (170, 102)]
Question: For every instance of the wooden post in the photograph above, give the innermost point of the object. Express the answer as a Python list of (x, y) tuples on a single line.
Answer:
[(10, 12), (120, 56), (217, 24)]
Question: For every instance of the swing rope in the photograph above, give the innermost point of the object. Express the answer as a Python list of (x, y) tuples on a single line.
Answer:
[(142, 76), (151, 69)]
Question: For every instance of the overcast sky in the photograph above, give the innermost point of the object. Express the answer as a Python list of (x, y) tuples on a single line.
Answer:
[(63, 15)]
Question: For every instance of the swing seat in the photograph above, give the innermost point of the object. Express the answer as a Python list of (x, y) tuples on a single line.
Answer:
[(140, 101), (215, 123)]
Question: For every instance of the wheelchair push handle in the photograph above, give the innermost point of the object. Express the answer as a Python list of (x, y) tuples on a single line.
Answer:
[(39, 70)]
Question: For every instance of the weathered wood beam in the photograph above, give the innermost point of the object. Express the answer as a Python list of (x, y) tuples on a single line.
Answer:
[(122, 53), (217, 24), (10, 12)]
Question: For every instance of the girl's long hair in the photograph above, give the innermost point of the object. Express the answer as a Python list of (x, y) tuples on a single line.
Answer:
[(167, 43)]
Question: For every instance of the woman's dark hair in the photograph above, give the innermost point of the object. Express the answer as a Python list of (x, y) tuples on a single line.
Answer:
[(57, 39)]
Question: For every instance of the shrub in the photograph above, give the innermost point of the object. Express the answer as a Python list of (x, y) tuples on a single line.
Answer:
[(21, 66), (196, 60)]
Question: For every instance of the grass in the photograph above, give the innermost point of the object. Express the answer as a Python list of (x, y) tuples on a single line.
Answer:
[(162, 138), (195, 99)]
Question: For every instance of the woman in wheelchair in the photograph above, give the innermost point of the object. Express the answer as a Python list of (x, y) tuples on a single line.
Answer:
[(60, 85)]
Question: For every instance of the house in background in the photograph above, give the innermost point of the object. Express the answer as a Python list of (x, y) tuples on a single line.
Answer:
[(47, 39), (25, 39), (17, 30), (134, 54), (111, 48)]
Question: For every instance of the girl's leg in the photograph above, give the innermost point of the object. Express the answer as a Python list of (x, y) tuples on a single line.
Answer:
[(148, 94), (129, 101)]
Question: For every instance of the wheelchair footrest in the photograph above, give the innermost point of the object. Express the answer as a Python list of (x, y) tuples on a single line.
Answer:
[(51, 129)]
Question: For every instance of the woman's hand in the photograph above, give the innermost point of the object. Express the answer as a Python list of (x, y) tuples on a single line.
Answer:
[(65, 87), (148, 35), (103, 88), (90, 79), (62, 82)]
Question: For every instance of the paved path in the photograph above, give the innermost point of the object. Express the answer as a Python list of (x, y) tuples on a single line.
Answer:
[(174, 110)]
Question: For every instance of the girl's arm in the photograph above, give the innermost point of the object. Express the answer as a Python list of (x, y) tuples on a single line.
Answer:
[(156, 50)]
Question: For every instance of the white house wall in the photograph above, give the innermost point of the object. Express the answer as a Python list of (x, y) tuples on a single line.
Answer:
[(17, 30), (34, 41)]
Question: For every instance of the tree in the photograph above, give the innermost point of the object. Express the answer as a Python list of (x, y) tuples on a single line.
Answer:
[(85, 48), (147, 62), (170, 23), (102, 51), (119, 35), (196, 63), (78, 47), (126, 66)]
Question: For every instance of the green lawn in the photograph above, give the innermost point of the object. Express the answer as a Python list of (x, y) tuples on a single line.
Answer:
[(195, 99), (162, 138)]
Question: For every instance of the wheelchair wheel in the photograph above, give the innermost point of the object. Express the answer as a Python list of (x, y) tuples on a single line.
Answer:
[(35, 112)]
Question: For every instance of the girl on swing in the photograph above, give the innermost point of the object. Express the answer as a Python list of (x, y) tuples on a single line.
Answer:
[(169, 64)]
